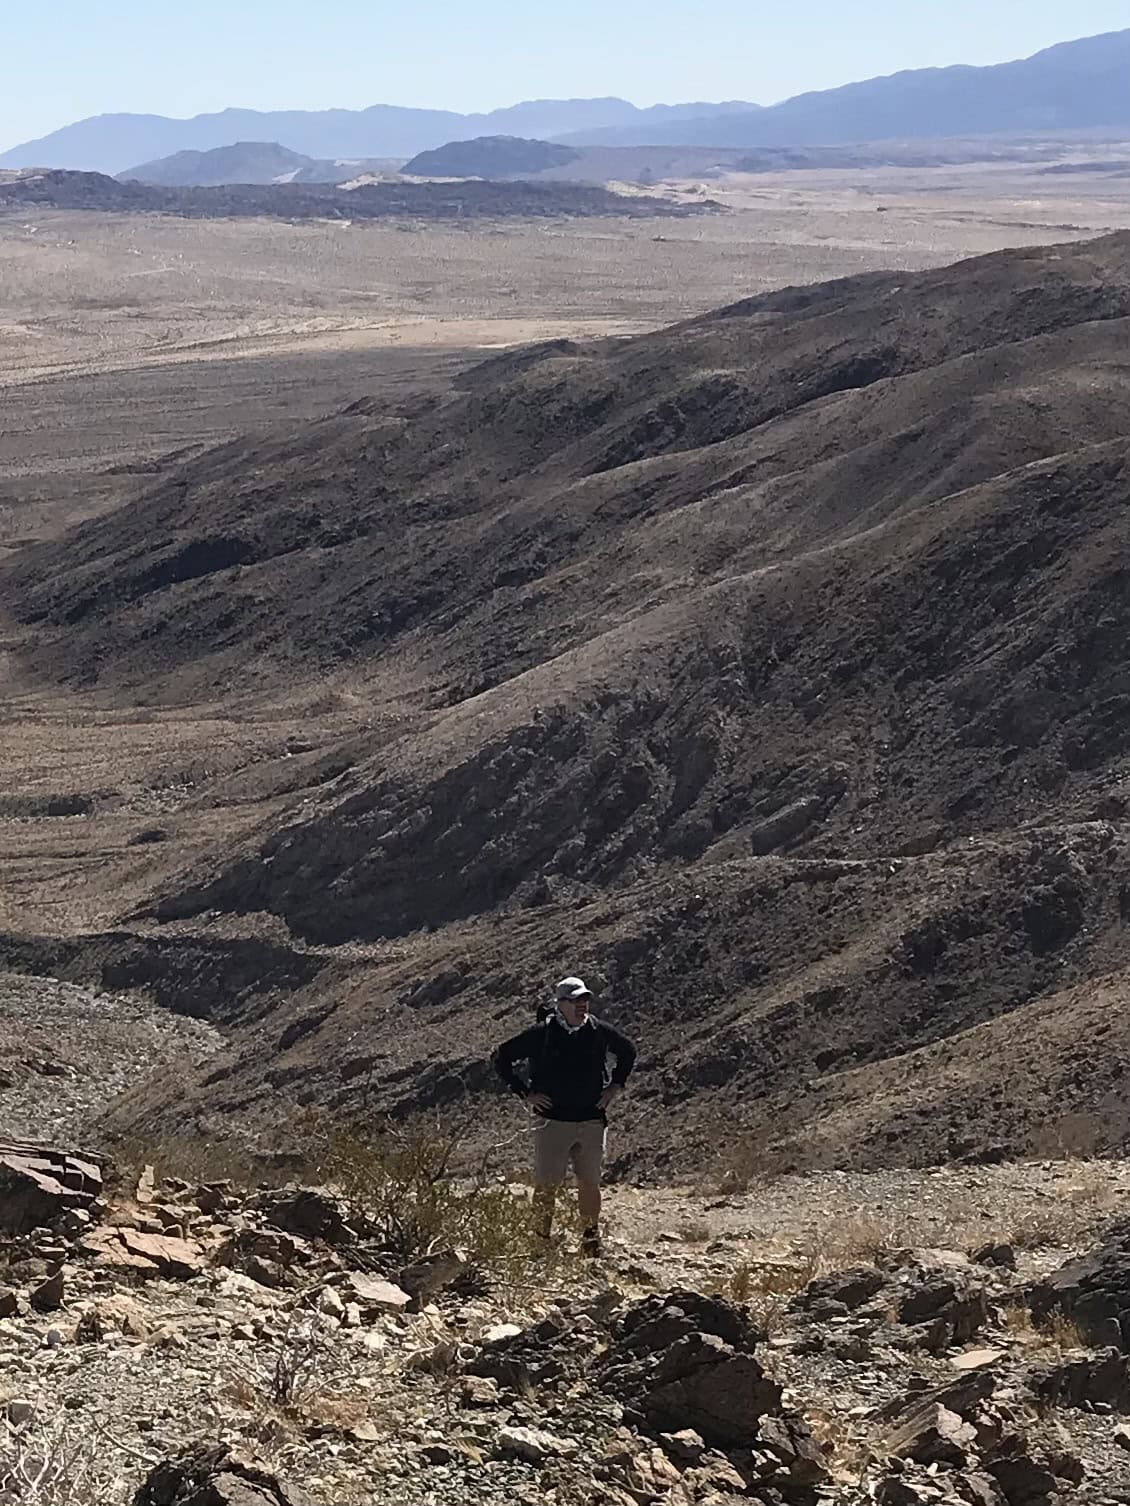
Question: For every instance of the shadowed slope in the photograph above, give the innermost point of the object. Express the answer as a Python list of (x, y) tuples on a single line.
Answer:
[(772, 667)]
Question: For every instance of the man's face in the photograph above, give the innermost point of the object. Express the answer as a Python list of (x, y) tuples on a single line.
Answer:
[(576, 1011)]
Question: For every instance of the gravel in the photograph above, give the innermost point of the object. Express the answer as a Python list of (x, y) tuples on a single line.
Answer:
[(67, 1052)]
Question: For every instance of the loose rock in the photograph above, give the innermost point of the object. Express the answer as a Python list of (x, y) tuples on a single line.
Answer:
[(207, 1476), (535, 1446)]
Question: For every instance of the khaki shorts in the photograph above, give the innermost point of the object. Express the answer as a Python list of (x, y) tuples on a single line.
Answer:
[(559, 1143)]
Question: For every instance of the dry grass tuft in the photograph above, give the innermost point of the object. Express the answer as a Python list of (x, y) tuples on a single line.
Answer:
[(1057, 1333), (1075, 1215), (766, 1288), (850, 1453)]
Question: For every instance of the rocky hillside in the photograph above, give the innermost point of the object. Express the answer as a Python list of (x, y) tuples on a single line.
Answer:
[(770, 668)]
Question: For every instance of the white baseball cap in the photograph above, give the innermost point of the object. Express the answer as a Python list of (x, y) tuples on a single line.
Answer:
[(572, 988)]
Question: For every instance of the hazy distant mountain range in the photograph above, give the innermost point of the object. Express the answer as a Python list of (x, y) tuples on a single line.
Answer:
[(115, 143), (1074, 86)]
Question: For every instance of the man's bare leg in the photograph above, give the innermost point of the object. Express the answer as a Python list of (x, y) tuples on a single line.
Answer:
[(545, 1199), (588, 1201)]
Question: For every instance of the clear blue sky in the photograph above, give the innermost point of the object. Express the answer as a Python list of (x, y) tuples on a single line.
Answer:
[(67, 59)]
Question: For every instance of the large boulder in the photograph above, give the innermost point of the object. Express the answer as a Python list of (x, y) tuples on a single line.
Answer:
[(956, 1311), (840, 1293), (941, 1295), (548, 1353), (701, 1382), (657, 1321), (311, 1213), (132, 1252), (180, 1258), (934, 1435)]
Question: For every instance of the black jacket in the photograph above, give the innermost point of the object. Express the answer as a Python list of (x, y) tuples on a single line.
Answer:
[(570, 1067)]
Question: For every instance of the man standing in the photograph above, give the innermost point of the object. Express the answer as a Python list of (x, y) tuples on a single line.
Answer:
[(568, 1086)]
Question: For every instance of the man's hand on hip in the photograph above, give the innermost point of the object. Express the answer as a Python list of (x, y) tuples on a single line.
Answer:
[(610, 1094), (541, 1103)]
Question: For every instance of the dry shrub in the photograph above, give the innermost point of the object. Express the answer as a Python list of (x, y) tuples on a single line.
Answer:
[(741, 1285), (847, 1448), (695, 1231), (297, 1360), (341, 1412), (860, 1238), (305, 1378), (767, 1287), (48, 1462), (404, 1183), (766, 1292)]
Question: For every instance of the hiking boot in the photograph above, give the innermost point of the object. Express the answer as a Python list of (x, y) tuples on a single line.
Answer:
[(590, 1244)]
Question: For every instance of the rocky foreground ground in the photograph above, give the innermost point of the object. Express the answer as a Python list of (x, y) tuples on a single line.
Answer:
[(898, 1339), (180, 1336)]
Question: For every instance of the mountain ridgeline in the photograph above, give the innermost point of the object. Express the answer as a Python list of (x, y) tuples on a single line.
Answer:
[(1075, 86)]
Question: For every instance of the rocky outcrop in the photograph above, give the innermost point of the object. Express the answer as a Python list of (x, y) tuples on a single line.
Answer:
[(916, 1299), (682, 1360), (546, 1353), (41, 1185), (940, 1293), (311, 1212), (1086, 1381), (215, 1476), (958, 1437), (841, 1292), (1093, 1291)]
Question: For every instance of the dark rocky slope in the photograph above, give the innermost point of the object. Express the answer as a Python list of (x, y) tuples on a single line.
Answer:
[(772, 667)]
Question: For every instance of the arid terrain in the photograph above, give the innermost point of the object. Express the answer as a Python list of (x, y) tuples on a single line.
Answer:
[(767, 668), (230, 1334), (129, 338), (732, 609)]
